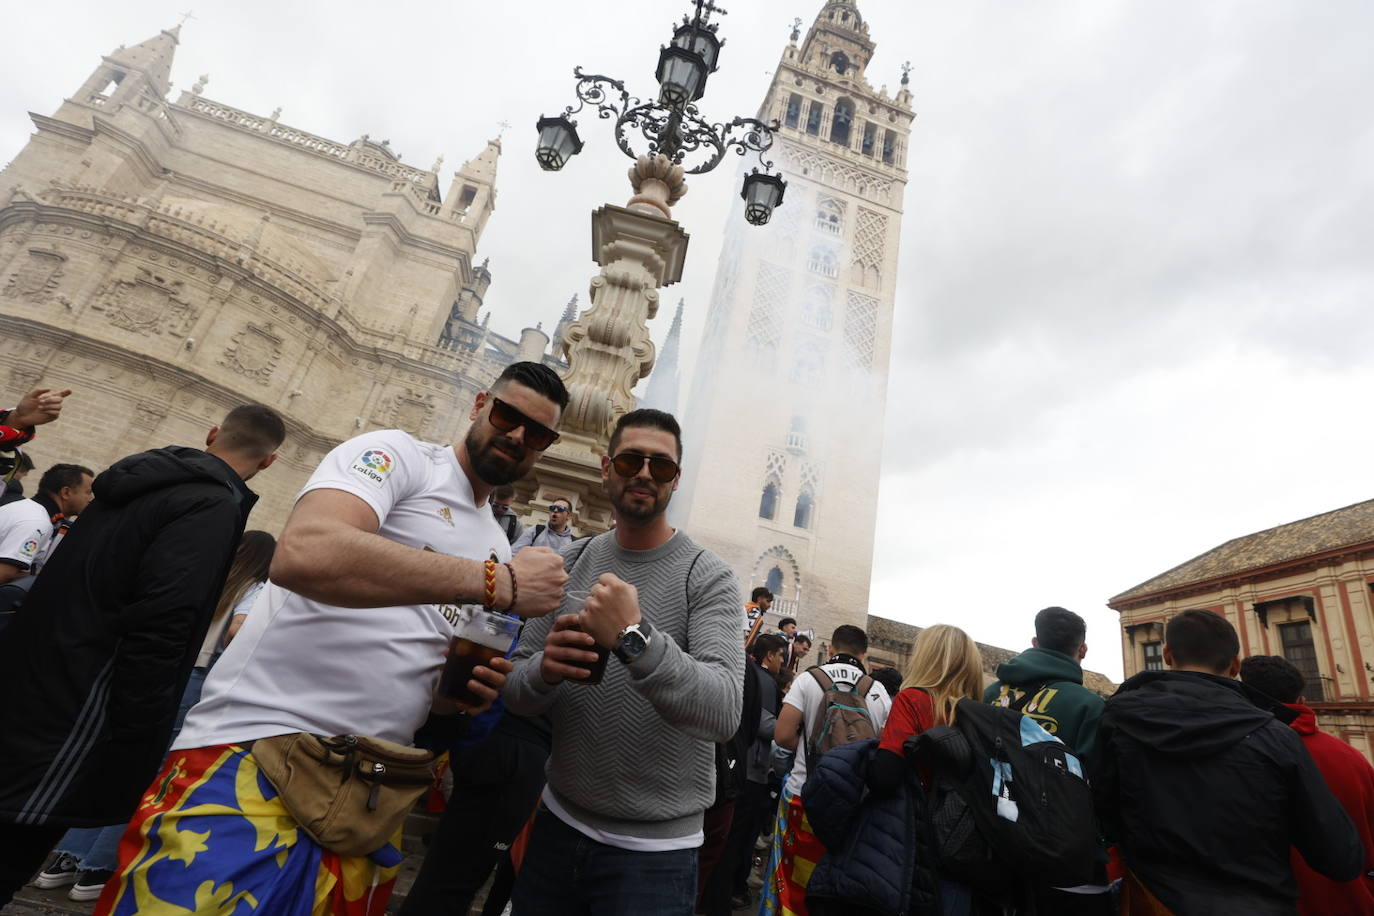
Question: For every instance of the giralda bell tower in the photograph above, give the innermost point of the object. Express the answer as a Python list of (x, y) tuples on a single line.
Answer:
[(784, 424)]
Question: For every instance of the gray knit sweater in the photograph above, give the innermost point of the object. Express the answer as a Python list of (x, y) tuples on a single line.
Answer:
[(634, 755)]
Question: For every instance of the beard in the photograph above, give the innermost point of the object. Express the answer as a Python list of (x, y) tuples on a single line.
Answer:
[(493, 466), (631, 505)]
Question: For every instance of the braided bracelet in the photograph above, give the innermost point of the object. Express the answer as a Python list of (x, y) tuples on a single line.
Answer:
[(489, 579), (514, 589)]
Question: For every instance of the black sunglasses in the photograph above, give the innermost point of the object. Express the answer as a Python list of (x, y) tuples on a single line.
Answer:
[(557, 508), (627, 464), (507, 418)]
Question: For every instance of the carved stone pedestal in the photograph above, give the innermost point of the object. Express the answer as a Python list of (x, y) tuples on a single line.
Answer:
[(640, 248)]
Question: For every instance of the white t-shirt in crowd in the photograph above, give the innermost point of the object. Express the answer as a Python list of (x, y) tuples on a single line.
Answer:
[(25, 529), (302, 665), (806, 694), (214, 637)]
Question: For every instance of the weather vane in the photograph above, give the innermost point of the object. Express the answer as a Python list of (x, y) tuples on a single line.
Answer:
[(189, 14)]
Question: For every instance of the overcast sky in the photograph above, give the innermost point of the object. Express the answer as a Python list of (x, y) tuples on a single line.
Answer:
[(1136, 257)]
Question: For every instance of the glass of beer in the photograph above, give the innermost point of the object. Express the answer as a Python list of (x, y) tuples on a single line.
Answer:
[(572, 604), (478, 637)]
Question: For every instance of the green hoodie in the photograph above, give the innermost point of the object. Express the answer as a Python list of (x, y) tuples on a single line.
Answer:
[(1061, 705)]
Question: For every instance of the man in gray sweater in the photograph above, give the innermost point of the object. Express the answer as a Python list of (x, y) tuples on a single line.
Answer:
[(633, 760)]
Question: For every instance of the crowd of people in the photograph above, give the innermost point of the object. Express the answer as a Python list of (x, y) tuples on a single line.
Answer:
[(203, 719)]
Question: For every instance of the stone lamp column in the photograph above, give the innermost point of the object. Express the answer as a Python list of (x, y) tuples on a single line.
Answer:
[(640, 248)]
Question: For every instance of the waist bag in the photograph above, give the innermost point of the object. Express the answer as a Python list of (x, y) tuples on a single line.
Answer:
[(350, 793)]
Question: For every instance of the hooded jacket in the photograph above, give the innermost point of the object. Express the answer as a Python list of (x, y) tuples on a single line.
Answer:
[(1351, 780), (1205, 792), (1061, 704), (94, 664)]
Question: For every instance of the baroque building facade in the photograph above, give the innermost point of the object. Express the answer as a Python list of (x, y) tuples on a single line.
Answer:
[(1303, 590), (168, 259), (784, 426)]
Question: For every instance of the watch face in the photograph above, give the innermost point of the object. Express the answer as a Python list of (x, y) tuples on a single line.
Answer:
[(632, 645)]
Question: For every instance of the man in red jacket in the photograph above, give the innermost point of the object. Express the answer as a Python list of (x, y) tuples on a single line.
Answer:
[(1349, 775)]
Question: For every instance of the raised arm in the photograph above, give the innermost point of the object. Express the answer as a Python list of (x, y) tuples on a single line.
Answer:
[(700, 691), (330, 551)]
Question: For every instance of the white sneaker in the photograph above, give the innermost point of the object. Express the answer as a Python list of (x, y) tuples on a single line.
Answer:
[(89, 884), (60, 872)]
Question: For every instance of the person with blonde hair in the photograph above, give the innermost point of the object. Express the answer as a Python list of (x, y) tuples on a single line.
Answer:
[(944, 669)]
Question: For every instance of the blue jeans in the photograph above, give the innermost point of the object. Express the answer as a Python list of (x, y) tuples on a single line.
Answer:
[(95, 848), (567, 874)]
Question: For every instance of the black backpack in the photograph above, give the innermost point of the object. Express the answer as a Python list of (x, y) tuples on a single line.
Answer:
[(1009, 804)]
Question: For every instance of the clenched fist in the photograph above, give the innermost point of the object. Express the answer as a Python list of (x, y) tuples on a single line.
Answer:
[(539, 581), (612, 605)]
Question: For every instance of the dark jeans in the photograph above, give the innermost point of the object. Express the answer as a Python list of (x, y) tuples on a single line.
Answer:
[(731, 874), (496, 784), (22, 851), (715, 830), (567, 874)]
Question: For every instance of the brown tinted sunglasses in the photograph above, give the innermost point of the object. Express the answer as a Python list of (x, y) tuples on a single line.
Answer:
[(508, 419)]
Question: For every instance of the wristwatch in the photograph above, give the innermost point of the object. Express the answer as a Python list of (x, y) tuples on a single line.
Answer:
[(632, 643)]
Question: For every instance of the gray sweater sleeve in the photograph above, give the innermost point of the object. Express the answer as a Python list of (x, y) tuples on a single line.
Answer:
[(526, 693), (701, 690)]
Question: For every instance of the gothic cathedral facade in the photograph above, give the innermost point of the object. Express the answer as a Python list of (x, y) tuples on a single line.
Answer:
[(168, 259), (784, 426)]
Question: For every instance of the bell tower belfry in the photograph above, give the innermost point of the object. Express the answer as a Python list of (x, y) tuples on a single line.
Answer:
[(784, 425), (130, 73)]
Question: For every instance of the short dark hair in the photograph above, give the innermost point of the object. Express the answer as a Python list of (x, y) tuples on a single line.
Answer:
[(802, 637), (1273, 675), (647, 418), (255, 430), (504, 491), (849, 638), (785, 621), (1202, 639), (760, 592), (62, 475), (1060, 630), (561, 499), (890, 678), (25, 462), (765, 645), (538, 378)]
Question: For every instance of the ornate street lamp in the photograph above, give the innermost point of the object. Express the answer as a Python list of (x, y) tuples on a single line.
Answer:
[(762, 194), (671, 126), (558, 142)]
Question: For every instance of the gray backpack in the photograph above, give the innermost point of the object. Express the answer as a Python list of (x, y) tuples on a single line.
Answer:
[(842, 718)]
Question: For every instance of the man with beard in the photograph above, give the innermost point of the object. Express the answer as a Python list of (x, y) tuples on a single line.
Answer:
[(632, 766), (387, 542)]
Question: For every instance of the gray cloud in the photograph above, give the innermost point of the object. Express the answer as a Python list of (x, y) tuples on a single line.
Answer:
[(1132, 312)]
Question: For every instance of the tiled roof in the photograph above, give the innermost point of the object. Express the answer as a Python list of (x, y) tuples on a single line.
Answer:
[(1339, 528)]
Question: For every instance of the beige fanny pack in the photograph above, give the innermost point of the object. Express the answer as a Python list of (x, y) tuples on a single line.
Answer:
[(350, 793)]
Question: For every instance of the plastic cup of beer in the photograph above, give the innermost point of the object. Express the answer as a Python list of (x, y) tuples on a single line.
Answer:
[(479, 636), (572, 604)]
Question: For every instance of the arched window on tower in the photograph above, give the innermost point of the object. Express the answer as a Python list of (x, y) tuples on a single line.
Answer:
[(870, 137), (814, 118), (840, 61), (793, 116), (774, 580), (889, 146), (768, 504), (840, 124), (806, 503)]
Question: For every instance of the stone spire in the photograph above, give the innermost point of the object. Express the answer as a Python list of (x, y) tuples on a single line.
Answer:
[(569, 316), (472, 195), (151, 58), (662, 392)]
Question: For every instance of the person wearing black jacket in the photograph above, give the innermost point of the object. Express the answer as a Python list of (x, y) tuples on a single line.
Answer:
[(93, 665), (1204, 790)]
